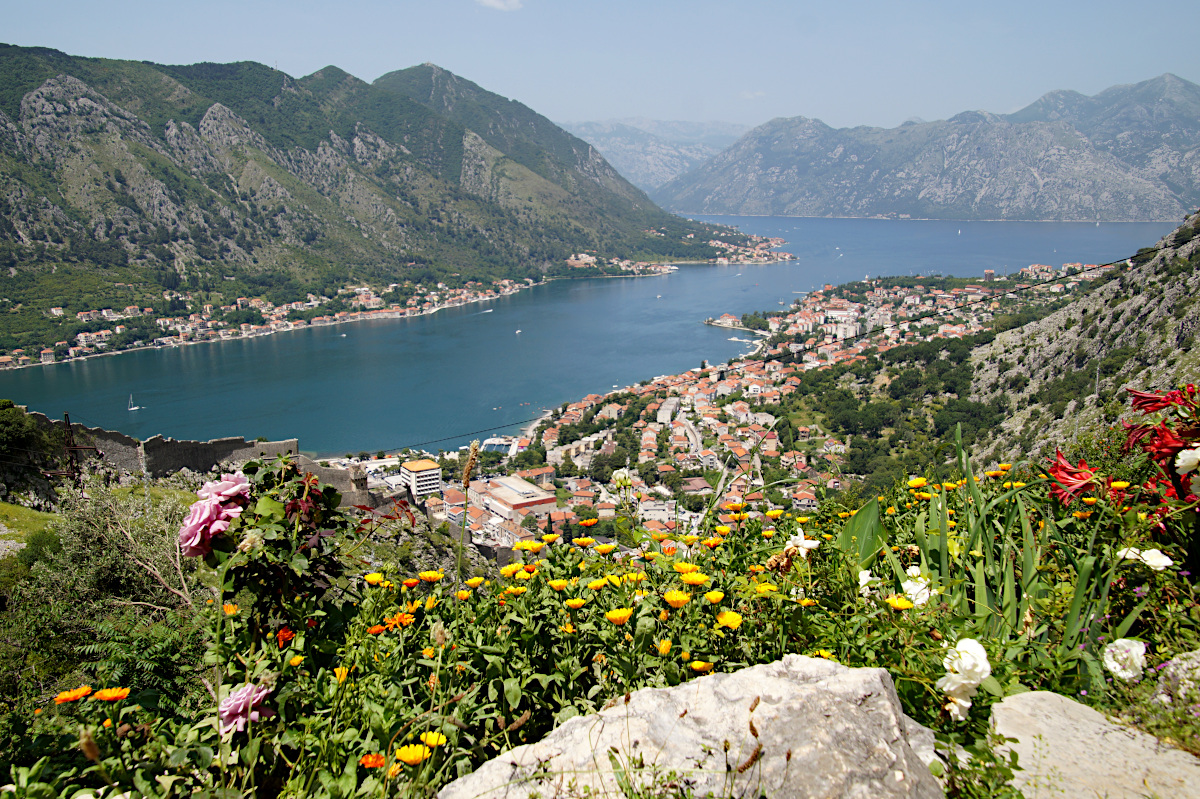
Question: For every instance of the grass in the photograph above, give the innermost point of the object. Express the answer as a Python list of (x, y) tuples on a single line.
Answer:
[(22, 521), (157, 494)]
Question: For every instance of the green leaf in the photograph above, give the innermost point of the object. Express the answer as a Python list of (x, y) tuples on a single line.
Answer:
[(512, 692), (992, 686), (269, 508)]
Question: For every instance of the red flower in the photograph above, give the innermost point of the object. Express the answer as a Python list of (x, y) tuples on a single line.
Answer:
[(1070, 481), (372, 761), (1165, 445), (1150, 401), (283, 636), (1134, 435), (311, 623), (376, 629)]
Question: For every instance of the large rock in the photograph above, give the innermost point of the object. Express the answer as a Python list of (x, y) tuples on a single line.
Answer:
[(1069, 749), (799, 727)]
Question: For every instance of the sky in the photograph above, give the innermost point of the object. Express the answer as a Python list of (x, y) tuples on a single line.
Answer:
[(742, 61)]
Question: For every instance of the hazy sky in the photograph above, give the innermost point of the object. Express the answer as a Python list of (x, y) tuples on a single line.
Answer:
[(747, 61)]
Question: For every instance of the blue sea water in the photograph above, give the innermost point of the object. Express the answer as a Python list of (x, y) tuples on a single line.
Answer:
[(438, 381)]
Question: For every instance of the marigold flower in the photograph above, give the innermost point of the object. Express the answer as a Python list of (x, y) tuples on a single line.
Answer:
[(727, 618), (431, 576), (575, 603), (427, 652), (685, 568), (619, 616), (376, 629), (694, 578), (412, 754), (918, 482), (588, 522), (766, 588), (677, 599), (411, 582), (806, 602), (722, 529), (768, 533), (690, 539), (475, 582), (1119, 485), (584, 542), (230, 609), (431, 603), (802, 519), (284, 636), (756, 568), (399, 620), (712, 543), (515, 590), (598, 583), (700, 666), (462, 595), (774, 513), (73, 695), (341, 672), (557, 585), (663, 615), (1090, 500), (891, 511), (525, 574), (663, 647), (393, 771), (1082, 514), (824, 653), (550, 538), (371, 761), (604, 549), (107, 723), (660, 537), (714, 596), (568, 628), (898, 602), (296, 660), (667, 549), (510, 569), (432, 738), (844, 515), (949, 486), (374, 578), (735, 506), (633, 577)]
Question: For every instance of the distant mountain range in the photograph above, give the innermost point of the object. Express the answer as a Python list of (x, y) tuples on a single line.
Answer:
[(650, 152), (237, 179), (1128, 153)]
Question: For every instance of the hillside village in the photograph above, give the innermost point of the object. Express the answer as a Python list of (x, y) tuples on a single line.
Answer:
[(688, 437)]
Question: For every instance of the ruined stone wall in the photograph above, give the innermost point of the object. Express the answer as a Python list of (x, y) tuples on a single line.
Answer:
[(166, 455)]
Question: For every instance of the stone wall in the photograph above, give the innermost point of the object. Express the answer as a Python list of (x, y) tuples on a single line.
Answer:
[(166, 455)]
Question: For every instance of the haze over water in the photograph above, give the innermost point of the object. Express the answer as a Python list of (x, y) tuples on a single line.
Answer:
[(438, 381)]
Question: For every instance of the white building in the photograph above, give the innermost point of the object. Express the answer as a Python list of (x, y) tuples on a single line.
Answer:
[(423, 477)]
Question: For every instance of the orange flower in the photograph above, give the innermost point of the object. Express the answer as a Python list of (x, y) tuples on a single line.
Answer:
[(677, 599), (604, 549), (700, 666), (619, 616), (230, 609), (284, 636), (588, 522), (411, 582), (73, 696), (376, 629), (111, 694), (399, 620), (431, 576), (584, 542), (371, 761)]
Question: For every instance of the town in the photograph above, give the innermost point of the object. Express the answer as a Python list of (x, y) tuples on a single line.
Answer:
[(672, 447)]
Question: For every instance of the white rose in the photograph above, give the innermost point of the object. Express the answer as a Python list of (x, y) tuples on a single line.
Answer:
[(1156, 560), (970, 660), (1125, 658), (917, 590), (957, 707), (1187, 460), (865, 578), (1130, 553), (913, 571), (621, 478)]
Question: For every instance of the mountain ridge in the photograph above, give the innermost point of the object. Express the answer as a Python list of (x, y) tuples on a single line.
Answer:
[(1130, 153)]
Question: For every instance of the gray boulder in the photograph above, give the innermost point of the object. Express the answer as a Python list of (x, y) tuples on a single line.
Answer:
[(799, 727), (1069, 749)]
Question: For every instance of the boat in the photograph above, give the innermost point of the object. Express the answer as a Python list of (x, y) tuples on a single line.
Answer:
[(133, 407), (518, 330)]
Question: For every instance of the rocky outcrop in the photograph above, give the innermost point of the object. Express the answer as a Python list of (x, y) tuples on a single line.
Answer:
[(799, 727), (1057, 162), (1068, 749)]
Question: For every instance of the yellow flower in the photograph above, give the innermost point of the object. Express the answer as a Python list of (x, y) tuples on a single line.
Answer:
[(766, 588), (575, 603), (735, 506), (296, 661), (1086, 501), (557, 585), (1018, 484), (899, 602), (475, 582), (427, 651), (1120, 485), (393, 771), (433, 738), (341, 673), (768, 533), (598, 583), (550, 538), (918, 482), (756, 569), (774, 513), (568, 628), (924, 495), (993, 473), (975, 553), (431, 603), (891, 511), (412, 754), (430, 576), (584, 542), (374, 578), (524, 574), (827, 536), (510, 569), (463, 594), (515, 590), (619, 616), (722, 529), (1082, 514), (633, 577), (604, 549), (663, 615), (660, 537), (714, 596), (700, 666), (613, 579), (690, 539), (230, 609), (1004, 467), (727, 618), (664, 647), (685, 568), (694, 578), (677, 599), (802, 519), (806, 602), (843, 515), (949, 486), (824, 653), (952, 524), (685, 656), (712, 543)]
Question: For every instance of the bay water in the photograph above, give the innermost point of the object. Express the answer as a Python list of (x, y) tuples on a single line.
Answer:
[(435, 382)]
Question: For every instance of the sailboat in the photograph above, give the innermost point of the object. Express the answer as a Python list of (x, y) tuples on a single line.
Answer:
[(133, 407)]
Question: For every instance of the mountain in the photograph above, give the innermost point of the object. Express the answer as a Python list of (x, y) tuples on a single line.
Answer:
[(651, 152), (1067, 372), (239, 180), (1128, 153)]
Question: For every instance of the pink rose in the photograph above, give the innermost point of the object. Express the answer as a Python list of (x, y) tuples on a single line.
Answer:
[(242, 706), (228, 487), (195, 534)]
